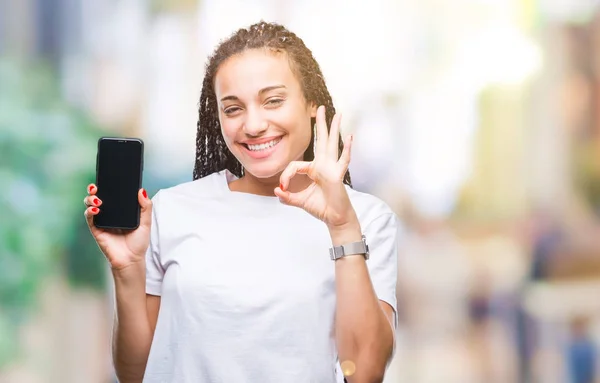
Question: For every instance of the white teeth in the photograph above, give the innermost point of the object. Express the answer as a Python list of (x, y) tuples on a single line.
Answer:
[(264, 146)]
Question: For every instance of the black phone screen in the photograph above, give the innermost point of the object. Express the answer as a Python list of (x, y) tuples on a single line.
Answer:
[(119, 178)]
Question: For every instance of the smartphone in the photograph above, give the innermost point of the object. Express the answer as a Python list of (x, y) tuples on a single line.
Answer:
[(119, 169)]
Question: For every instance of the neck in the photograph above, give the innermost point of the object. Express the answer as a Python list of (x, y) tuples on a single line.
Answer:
[(266, 186)]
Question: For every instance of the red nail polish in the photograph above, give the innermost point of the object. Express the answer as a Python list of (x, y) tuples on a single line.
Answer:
[(96, 201), (144, 193), (94, 210), (281, 187), (90, 188)]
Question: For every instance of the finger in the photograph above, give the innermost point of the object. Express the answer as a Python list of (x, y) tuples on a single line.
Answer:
[(333, 139), (285, 197), (291, 199), (89, 214), (92, 200), (294, 167), (321, 136), (146, 208), (344, 160), (92, 189)]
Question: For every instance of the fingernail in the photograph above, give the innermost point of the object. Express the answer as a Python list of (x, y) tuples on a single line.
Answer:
[(90, 188), (144, 193), (281, 187), (94, 210), (96, 201)]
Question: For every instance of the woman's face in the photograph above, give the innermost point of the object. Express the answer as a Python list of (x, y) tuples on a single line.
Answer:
[(265, 120)]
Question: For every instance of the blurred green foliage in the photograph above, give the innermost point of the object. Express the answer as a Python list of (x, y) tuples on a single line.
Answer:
[(47, 157), (165, 6), (587, 172)]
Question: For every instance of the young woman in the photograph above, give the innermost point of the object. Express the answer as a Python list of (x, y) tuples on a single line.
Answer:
[(230, 278)]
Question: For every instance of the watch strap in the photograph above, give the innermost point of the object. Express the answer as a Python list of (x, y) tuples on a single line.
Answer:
[(354, 248)]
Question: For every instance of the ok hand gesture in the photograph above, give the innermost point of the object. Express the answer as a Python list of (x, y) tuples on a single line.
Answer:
[(326, 197)]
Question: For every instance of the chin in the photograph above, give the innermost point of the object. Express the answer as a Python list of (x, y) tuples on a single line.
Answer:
[(265, 171)]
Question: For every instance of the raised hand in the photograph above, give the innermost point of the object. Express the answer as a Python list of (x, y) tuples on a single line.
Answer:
[(326, 197), (121, 248)]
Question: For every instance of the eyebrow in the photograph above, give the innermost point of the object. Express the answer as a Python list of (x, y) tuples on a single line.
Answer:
[(263, 90)]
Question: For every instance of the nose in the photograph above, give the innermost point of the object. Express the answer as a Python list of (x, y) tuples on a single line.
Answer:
[(255, 125)]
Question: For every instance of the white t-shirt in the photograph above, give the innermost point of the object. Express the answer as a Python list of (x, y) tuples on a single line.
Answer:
[(247, 286)]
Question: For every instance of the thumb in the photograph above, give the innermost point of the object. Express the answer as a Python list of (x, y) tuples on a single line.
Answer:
[(146, 208), (287, 198)]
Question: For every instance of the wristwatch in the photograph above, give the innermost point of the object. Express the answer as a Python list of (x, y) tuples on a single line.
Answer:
[(353, 248)]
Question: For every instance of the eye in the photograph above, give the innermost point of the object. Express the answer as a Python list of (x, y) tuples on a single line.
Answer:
[(274, 101), (231, 110)]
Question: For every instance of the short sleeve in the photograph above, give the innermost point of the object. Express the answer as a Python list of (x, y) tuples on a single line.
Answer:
[(382, 238), (154, 269)]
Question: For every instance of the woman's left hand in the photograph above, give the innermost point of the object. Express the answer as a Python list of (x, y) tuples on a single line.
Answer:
[(326, 197)]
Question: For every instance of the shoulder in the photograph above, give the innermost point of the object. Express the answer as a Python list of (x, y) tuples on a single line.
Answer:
[(200, 189), (370, 208)]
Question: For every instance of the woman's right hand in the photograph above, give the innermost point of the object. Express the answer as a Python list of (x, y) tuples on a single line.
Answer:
[(121, 248)]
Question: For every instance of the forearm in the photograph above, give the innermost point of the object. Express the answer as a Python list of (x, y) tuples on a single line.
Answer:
[(132, 334), (364, 336)]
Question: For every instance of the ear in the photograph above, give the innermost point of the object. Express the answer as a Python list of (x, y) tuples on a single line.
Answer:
[(313, 109)]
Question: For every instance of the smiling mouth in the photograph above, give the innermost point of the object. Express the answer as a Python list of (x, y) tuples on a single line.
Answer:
[(264, 146)]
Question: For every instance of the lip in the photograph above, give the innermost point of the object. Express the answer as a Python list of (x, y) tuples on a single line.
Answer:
[(260, 140), (262, 153)]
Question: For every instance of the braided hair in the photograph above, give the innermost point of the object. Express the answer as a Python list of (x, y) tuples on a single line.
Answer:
[(212, 154)]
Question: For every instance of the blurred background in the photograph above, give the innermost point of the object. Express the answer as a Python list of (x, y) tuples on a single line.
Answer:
[(478, 121)]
